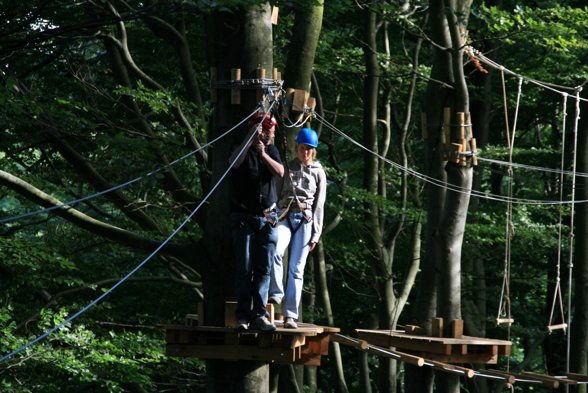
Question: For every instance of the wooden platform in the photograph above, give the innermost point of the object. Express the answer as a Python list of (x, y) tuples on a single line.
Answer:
[(304, 345), (448, 350)]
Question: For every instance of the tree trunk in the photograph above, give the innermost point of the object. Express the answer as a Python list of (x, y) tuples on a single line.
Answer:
[(305, 34), (240, 39)]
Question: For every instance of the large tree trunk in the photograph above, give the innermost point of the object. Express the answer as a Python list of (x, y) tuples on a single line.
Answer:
[(240, 39), (446, 210)]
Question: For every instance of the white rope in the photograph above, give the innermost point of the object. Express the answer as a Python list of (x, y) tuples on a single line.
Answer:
[(439, 183)]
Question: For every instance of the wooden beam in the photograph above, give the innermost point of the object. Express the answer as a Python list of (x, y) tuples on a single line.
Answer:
[(577, 377), (507, 377)]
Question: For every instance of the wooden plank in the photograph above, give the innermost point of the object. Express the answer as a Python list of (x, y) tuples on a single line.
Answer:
[(482, 358), (445, 340), (413, 329), (402, 344), (437, 327), (231, 352)]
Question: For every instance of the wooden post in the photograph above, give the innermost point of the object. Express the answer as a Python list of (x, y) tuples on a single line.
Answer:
[(260, 94), (424, 127), (474, 147), (457, 328), (437, 327), (235, 92), (213, 78)]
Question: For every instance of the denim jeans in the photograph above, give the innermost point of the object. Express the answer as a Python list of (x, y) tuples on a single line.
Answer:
[(300, 240), (254, 242)]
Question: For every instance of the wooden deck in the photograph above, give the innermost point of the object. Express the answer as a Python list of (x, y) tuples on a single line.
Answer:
[(448, 350), (304, 345)]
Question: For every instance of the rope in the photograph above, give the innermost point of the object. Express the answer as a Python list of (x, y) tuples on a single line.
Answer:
[(557, 290), (571, 265), (93, 303), (127, 183), (439, 183)]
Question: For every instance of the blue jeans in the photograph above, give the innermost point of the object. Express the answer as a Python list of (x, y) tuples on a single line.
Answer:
[(254, 242), (300, 239)]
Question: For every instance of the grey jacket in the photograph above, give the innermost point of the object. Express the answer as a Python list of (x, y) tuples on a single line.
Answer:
[(310, 183)]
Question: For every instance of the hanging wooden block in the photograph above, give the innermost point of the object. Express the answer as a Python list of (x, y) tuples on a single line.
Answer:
[(424, 129), (213, 78), (275, 12), (311, 103), (236, 93)]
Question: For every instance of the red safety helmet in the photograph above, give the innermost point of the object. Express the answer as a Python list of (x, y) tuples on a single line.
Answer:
[(268, 120)]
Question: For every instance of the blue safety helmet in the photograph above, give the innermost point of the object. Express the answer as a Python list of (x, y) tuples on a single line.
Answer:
[(307, 137)]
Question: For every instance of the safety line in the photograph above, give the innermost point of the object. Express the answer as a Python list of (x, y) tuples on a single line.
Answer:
[(127, 183), (41, 337), (439, 183)]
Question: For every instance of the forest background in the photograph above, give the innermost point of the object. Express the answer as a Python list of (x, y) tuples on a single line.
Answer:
[(95, 94)]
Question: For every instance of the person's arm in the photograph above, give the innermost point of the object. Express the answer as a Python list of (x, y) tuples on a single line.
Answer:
[(237, 159), (318, 208), (276, 168)]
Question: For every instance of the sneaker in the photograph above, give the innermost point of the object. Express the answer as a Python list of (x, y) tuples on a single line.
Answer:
[(290, 323), (274, 300), (262, 323), (241, 325)]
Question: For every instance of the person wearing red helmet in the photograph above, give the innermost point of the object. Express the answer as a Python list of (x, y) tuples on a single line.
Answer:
[(301, 208), (256, 165)]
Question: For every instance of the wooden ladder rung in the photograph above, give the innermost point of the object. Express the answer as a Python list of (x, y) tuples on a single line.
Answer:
[(556, 327), (504, 320)]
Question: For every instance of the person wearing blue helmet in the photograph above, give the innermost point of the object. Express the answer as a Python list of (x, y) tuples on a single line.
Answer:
[(301, 210)]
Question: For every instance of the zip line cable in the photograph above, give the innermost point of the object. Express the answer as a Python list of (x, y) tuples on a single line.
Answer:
[(127, 183), (93, 303), (439, 183)]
